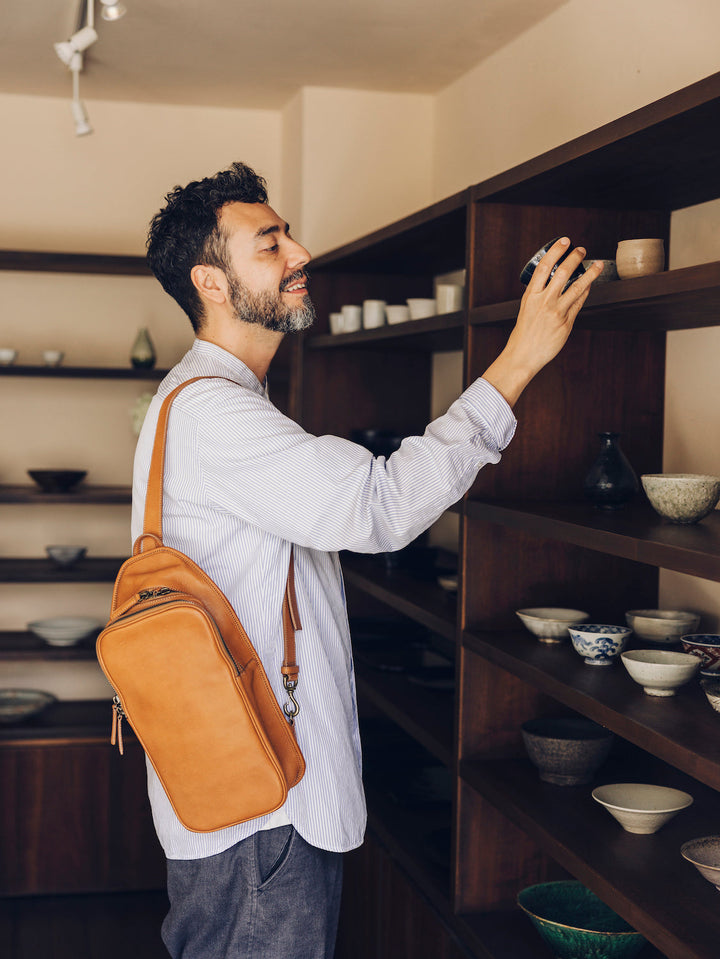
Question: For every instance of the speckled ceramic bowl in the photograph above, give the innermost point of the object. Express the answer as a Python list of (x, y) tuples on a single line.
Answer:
[(641, 808), (660, 671), (599, 644), (576, 924), (550, 623), (682, 497), (661, 626), (17, 705), (704, 854), (567, 750)]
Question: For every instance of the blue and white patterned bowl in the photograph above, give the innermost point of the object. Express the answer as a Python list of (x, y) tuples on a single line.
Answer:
[(599, 644)]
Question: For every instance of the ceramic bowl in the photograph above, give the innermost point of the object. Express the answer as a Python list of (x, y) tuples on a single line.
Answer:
[(660, 671), (704, 854), (641, 807), (19, 704), (711, 688), (599, 644), (576, 924), (7, 357), (52, 357), (529, 268), (706, 646), (65, 555), (57, 481), (640, 257), (609, 270), (64, 630), (682, 497), (550, 623), (397, 314), (662, 626), (420, 308), (568, 750)]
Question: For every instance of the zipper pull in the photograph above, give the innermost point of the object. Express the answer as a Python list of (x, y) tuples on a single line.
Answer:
[(117, 718)]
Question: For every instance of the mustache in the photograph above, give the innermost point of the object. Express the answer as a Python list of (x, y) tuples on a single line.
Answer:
[(293, 278)]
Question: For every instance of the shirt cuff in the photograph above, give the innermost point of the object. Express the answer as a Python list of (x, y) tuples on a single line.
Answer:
[(490, 410)]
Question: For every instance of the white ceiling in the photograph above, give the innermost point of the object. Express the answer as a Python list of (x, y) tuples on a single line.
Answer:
[(256, 54)]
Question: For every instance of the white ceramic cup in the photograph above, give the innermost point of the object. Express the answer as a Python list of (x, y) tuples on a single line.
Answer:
[(397, 314), (7, 357), (420, 308), (373, 314), (337, 324), (449, 297), (352, 318), (640, 257), (52, 357)]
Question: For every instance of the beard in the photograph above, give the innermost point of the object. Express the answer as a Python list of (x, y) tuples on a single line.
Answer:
[(267, 309)]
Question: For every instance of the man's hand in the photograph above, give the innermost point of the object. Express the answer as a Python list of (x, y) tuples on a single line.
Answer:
[(546, 317)]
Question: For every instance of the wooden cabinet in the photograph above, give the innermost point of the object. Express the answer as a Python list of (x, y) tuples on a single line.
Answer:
[(527, 538)]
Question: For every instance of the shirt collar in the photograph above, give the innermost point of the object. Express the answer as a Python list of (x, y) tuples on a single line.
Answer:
[(231, 364)]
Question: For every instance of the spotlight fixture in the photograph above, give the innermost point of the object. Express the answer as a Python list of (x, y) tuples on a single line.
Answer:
[(78, 43), (79, 113), (113, 9)]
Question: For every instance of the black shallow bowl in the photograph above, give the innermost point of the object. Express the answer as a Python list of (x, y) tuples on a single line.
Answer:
[(529, 268), (57, 481)]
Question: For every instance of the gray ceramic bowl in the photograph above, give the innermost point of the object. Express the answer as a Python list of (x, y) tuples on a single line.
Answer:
[(65, 555), (17, 705), (682, 497), (704, 854), (567, 750), (661, 626)]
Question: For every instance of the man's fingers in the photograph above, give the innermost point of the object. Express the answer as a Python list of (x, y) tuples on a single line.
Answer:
[(581, 286), (544, 268)]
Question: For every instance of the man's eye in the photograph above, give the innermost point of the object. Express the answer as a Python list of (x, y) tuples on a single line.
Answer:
[(271, 249)]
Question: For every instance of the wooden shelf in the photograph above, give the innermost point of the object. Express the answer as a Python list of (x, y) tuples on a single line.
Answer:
[(435, 334), (65, 721), (635, 533), (104, 495), (682, 729), (426, 715), (84, 372), (100, 569), (644, 878), (24, 645), (676, 300), (421, 600), (35, 261)]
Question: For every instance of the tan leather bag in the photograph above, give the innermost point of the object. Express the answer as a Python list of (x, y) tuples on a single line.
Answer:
[(190, 682)]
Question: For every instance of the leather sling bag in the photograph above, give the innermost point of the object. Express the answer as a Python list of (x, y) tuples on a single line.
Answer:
[(190, 683)]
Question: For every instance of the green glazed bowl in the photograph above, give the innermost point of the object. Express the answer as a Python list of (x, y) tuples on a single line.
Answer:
[(576, 924)]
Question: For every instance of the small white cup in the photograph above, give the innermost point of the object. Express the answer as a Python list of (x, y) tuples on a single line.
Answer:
[(420, 308), (352, 318), (7, 357), (449, 297), (52, 357), (397, 314), (337, 324), (373, 314)]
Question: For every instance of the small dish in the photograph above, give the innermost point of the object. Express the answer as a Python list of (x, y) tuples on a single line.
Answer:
[(550, 623), (660, 671), (449, 583), (57, 481), (641, 808), (661, 626), (17, 705), (64, 630), (704, 854), (599, 644), (66, 556)]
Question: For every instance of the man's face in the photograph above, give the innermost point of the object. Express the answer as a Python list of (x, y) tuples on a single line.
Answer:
[(267, 282)]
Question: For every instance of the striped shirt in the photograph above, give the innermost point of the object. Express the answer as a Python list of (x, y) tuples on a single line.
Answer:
[(243, 482)]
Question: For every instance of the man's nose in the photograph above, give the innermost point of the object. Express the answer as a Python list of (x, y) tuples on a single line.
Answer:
[(298, 256)]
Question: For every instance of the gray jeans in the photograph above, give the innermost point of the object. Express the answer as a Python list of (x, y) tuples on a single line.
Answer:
[(271, 896)]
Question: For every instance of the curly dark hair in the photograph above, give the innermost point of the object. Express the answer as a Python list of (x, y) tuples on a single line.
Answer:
[(186, 231)]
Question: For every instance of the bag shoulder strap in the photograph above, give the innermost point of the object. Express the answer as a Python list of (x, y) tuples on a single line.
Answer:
[(152, 528)]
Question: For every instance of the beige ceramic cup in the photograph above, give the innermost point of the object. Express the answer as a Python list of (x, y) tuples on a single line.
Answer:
[(639, 257)]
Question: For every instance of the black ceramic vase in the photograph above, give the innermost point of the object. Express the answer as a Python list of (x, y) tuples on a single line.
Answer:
[(611, 482)]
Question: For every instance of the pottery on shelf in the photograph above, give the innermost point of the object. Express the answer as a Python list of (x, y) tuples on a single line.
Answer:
[(704, 854), (566, 750), (706, 647), (660, 671), (550, 623), (142, 355), (641, 808), (611, 482), (529, 269), (684, 498), (599, 644), (662, 626), (640, 257)]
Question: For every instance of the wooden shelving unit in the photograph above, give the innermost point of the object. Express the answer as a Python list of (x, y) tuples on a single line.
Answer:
[(528, 538)]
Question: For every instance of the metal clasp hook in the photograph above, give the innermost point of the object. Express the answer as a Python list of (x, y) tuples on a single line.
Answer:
[(292, 708)]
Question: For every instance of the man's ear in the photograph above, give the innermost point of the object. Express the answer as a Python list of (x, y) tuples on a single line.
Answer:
[(210, 282)]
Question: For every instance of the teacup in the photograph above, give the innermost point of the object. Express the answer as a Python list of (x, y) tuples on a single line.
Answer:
[(639, 257)]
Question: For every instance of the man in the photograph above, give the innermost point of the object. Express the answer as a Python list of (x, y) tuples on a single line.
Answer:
[(243, 483)]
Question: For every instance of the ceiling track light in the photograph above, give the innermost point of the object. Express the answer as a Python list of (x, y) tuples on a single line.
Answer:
[(113, 9)]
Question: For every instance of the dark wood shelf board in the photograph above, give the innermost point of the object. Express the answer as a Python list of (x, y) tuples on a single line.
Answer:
[(104, 495), (83, 372), (422, 601), (99, 569), (431, 239), (674, 300), (65, 721), (436, 334), (635, 533), (37, 261), (19, 645), (424, 714), (662, 156), (681, 730), (643, 877)]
